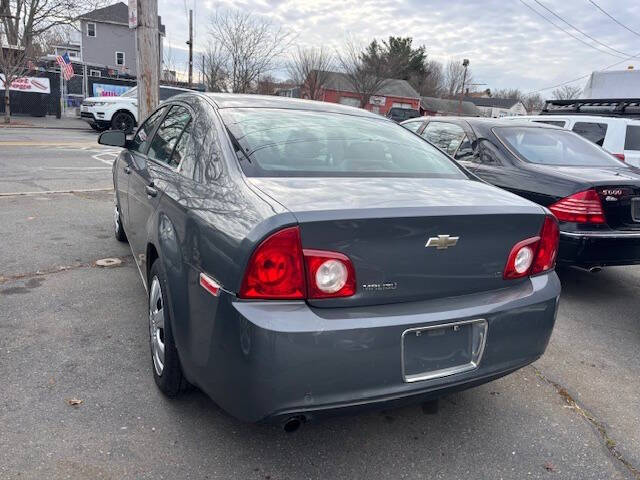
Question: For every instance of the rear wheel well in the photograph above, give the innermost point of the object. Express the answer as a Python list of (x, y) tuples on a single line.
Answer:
[(152, 255)]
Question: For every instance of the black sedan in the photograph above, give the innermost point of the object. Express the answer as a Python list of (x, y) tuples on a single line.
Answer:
[(304, 257), (595, 196)]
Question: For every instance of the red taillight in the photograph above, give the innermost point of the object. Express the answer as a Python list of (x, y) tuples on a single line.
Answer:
[(329, 274), (619, 156), (276, 270), (581, 207), (536, 254), (547, 253)]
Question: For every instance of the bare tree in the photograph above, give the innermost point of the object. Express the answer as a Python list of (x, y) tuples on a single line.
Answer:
[(366, 78), (26, 23), (533, 103), (310, 68), (566, 92), (213, 66), (251, 45), (511, 93), (432, 83), (453, 77)]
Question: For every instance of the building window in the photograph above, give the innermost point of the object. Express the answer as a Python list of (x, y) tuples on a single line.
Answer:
[(73, 54), (91, 29), (120, 59), (95, 73)]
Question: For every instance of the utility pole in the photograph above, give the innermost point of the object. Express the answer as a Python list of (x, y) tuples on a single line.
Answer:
[(190, 43), (147, 57), (465, 64)]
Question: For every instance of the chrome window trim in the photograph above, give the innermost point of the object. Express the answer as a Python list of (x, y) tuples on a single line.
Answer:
[(445, 372), (592, 234)]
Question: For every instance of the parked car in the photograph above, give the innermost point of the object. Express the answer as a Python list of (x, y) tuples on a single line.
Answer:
[(120, 112), (305, 257), (618, 136), (595, 196), (398, 114)]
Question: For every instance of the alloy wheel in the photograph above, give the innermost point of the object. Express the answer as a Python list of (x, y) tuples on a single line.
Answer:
[(156, 325)]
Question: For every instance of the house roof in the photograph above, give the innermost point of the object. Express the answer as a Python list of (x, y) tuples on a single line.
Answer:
[(393, 87), (116, 13), (446, 106), (492, 102)]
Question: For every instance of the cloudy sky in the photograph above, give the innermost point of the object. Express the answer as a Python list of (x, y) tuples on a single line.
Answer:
[(507, 43)]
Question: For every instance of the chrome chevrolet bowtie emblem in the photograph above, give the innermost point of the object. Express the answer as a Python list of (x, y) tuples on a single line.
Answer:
[(442, 242)]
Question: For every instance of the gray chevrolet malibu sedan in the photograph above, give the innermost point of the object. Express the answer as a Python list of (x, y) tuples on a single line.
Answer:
[(304, 258)]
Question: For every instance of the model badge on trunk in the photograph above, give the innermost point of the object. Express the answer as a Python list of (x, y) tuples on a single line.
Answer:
[(442, 242)]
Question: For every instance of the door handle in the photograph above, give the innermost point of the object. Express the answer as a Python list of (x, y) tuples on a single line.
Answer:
[(151, 191), (127, 169)]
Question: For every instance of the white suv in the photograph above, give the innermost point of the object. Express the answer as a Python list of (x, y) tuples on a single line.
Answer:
[(617, 135), (118, 113)]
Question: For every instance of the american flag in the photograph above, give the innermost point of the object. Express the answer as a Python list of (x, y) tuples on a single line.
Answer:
[(65, 65)]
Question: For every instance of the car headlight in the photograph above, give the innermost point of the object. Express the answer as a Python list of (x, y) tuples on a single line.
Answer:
[(99, 104)]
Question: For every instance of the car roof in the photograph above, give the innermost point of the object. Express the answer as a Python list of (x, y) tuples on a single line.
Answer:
[(582, 118), (483, 121), (236, 100)]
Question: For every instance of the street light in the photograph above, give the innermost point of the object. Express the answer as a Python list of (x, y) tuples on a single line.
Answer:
[(465, 64)]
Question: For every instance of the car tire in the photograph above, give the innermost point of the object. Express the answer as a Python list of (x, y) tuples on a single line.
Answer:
[(123, 121), (165, 363), (97, 128), (118, 229)]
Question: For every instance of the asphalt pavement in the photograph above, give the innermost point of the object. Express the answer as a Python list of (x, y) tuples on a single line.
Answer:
[(74, 332)]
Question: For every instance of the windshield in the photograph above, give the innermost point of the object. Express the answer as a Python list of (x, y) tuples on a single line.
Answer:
[(548, 146), (279, 142), (133, 92)]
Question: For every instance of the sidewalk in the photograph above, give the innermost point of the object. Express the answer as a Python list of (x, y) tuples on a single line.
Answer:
[(25, 121)]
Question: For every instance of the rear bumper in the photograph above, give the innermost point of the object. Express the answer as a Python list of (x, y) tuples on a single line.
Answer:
[(267, 361), (589, 249)]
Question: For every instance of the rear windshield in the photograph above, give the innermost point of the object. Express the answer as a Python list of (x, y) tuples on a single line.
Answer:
[(548, 146), (285, 143), (632, 141)]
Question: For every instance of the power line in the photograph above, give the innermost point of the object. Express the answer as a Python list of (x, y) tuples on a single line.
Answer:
[(583, 76), (567, 32), (578, 30), (612, 18)]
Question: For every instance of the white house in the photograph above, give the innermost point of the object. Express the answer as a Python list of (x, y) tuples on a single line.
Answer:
[(498, 107)]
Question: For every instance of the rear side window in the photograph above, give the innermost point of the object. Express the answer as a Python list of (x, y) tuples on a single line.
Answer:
[(168, 135), (286, 143), (632, 142), (413, 126), (557, 123), (447, 136), (591, 131)]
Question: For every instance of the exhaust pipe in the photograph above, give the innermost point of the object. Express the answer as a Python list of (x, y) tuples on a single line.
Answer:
[(293, 423), (595, 269)]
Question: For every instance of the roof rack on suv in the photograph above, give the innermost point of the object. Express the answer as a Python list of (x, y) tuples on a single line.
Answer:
[(609, 107)]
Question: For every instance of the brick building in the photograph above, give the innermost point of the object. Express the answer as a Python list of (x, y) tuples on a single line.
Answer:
[(393, 93)]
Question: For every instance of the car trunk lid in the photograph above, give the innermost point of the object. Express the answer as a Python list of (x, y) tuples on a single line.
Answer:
[(409, 239)]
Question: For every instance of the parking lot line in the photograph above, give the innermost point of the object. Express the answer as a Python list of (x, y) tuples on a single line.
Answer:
[(53, 192), (11, 143)]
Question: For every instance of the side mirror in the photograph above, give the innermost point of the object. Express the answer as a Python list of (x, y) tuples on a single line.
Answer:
[(113, 138)]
